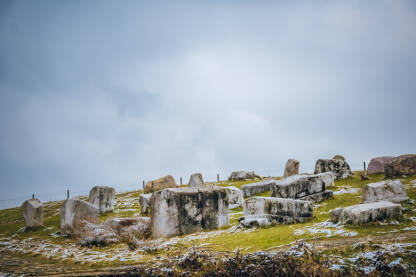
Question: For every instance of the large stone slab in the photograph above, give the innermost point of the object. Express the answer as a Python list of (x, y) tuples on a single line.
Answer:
[(196, 180), (390, 190), (242, 175), (74, 211), (159, 184), (103, 198), (131, 226), (178, 211), (402, 165), (376, 165), (299, 186), (270, 210), (318, 197), (339, 167), (256, 188), (32, 210), (144, 201), (291, 168), (235, 197), (363, 213)]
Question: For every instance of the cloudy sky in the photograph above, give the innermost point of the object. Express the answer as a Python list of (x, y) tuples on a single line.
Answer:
[(113, 93)]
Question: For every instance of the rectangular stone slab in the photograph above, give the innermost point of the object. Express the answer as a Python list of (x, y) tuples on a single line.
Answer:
[(363, 213), (299, 186), (178, 211), (256, 188), (390, 190), (278, 206), (318, 197)]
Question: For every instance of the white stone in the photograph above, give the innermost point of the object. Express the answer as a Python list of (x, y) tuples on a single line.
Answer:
[(235, 197), (178, 211), (103, 198), (363, 213), (33, 212), (390, 190), (242, 175), (74, 211), (196, 180), (144, 200), (256, 188), (291, 168)]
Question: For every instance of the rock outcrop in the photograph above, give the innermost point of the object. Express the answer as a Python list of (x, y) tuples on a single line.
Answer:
[(390, 190), (242, 175), (340, 168), (144, 201), (32, 210), (291, 168), (103, 198), (307, 187), (402, 165), (235, 197), (262, 211), (159, 184), (376, 165), (74, 212), (363, 213), (178, 211), (196, 180), (256, 188)]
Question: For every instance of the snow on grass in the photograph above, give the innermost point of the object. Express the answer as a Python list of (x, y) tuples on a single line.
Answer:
[(326, 228)]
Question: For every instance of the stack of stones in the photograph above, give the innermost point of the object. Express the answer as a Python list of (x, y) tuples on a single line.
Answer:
[(379, 203)]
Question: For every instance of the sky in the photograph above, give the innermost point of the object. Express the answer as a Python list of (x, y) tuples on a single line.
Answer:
[(117, 92)]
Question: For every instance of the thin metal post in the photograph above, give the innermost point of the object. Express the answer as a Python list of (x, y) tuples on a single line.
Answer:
[(33, 196), (364, 166), (181, 180), (218, 177), (67, 194)]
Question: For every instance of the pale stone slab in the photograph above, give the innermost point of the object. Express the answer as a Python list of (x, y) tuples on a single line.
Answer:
[(178, 211), (256, 188), (196, 180), (291, 168), (235, 197), (242, 175), (32, 210), (318, 197), (159, 184), (103, 198), (144, 200), (363, 213), (74, 211), (390, 190)]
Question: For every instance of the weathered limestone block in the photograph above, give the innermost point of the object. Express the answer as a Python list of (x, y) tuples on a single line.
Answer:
[(340, 168), (196, 180), (256, 188), (338, 157), (389, 190), (32, 210), (270, 210), (318, 197), (299, 186), (159, 184), (402, 165), (242, 175), (103, 198), (235, 197), (363, 213), (376, 165), (138, 226), (144, 200), (178, 211), (291, 168), (74, 211)]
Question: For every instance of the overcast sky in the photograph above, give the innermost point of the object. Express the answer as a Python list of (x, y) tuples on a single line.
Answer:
[(116, 92)]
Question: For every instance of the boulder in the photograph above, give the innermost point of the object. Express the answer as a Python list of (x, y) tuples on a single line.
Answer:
[(235, 197), (144, 200), (32, 210), (301, 186), (159, 184), (270, 210), (376, 165), (256, 188), (363, 213), (340, 168), (402, 165), (178, 211), (196, 180), (138, 227), (103, 198), (90, 234), (242, 175), (390, 190), (291, 168), (338, 157), (74, 212)]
